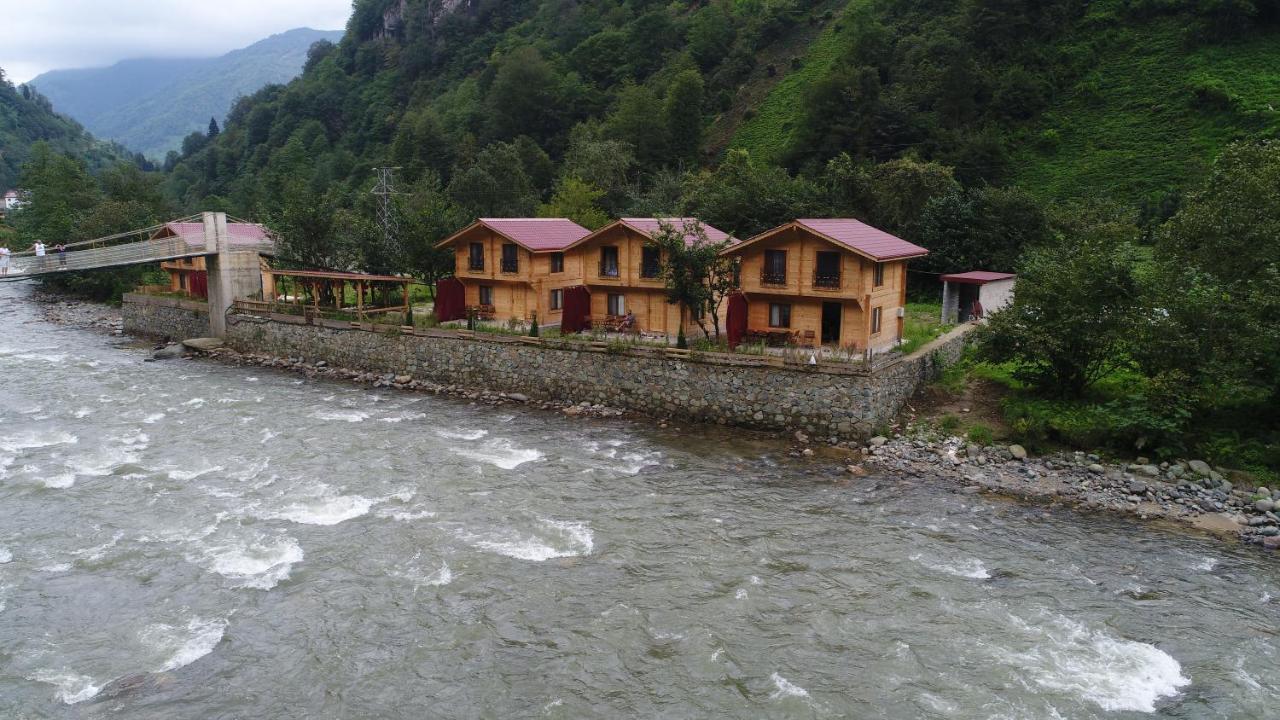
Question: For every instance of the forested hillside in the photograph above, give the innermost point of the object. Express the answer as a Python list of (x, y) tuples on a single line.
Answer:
[(150, 104), (26, 117)]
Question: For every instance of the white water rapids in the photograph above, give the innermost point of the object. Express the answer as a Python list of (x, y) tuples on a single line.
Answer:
[(190, 540)]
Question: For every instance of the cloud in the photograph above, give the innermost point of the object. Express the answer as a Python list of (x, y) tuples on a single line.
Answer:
[(55, 34)]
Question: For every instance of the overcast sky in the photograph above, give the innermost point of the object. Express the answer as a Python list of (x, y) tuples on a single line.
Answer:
[(40, 35)]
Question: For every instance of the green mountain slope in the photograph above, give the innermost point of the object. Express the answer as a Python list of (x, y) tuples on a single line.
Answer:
[(150, 105), (26, 117), (1152, 115)]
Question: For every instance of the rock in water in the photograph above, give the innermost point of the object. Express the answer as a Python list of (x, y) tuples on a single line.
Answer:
[(204, 344), (168, 352)]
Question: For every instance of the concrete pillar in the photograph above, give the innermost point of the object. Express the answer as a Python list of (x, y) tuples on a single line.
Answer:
[(950, 304), (232, 273)]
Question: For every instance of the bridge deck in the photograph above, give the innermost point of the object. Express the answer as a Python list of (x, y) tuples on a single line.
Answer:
[(25, 265)]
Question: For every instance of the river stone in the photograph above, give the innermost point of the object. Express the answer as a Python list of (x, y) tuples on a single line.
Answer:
[(404, 379), (203, 344), (878, 441), (1018, 452), (1096, 469), (1264, 506), (1271, 543), (518, 397), (1148, 470), (1199, 467), (168, 352)]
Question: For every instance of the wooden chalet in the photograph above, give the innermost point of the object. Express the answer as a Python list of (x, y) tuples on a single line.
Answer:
[(510, 269), (622, 269), (830, 282)]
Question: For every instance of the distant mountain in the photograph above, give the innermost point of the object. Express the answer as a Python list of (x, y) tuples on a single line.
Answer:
[(26, 117), (150, 105)]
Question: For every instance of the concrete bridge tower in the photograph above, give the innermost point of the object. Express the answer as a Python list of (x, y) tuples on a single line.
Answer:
[(232, 273)]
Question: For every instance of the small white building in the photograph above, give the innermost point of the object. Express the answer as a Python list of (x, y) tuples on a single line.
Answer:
[(13, 200), (972, 295)]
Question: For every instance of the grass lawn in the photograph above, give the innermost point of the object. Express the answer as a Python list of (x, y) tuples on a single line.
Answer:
[(922, 324)]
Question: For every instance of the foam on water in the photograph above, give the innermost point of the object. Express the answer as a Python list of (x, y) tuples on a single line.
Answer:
[(462, 434), (785, 688), (5, 555), (184, 644), (32, 440), (402, 417), (72, 687), (502, 453), (61, 481), (323, 509), (970, 568), (153, 418), (1115, 674), (351, 416), (413, 573), (186, 475), (261, 563), (403, 515), (555, 539)]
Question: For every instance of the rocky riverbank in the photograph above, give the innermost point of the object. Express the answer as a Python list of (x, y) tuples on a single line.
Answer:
[(1190, 493), (62, 310)]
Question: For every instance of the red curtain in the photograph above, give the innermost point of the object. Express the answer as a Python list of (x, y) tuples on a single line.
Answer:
[(451, 300), (576, 315), (735, 322), (199, 282)]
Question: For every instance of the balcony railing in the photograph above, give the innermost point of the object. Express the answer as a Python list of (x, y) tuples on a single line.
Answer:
[(476, 265), (649, 272), (609, 270), (510, 266), (769, 277), (826, 281)]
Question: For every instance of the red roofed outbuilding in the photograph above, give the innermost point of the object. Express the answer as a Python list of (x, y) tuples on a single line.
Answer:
[(972, 295), (189, 275), (830, 282)]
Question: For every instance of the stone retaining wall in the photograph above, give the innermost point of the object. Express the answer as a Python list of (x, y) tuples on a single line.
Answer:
[(159, 317), (824, 401)]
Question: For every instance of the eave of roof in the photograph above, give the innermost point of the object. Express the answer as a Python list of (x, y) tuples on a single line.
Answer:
[(908, 251), (493, 225)]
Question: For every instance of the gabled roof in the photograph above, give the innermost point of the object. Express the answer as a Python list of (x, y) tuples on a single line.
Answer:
[(977, 277), (237, 233), (11, 193), (849, 233), (533, 234), (649, 227)]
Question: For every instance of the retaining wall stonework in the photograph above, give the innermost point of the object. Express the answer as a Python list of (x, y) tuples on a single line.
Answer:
[(821, 401), (160, 317)]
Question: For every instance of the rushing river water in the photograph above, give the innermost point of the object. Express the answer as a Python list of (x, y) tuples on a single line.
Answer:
[(190, 540)]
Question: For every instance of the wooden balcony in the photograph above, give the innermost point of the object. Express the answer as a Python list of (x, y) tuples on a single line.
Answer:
[(827, 280), (773, 279)]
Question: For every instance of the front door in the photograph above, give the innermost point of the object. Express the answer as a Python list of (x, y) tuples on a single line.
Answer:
[(831, 314)]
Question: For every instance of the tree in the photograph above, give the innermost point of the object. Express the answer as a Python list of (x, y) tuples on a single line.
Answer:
[(427, 217), (523, 98), (900, 189), (697, 277), (214, 130), (307, 233), (746, 197), (636, 121), (683, 113), (984, 228), (576, 199), (495, 184), (710, 35), (1073, 315), (1216, 280)]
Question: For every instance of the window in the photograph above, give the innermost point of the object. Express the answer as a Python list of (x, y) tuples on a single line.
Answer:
[(875, 321), (182, 281), (779, 315), (557, 299), (557, 262), (476, 257), (615, 305), (826, 272), (775, 268), (486, 295), (510, 258), (877, 275), (650, 262), (609, 261)]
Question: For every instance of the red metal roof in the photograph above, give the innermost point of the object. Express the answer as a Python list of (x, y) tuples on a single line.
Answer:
[(977, 277), (862, 238), (237, 233), (538, 234), (651, 226)]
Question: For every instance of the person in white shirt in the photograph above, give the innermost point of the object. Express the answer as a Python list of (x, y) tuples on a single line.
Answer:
[(39, 248), (4, 261)]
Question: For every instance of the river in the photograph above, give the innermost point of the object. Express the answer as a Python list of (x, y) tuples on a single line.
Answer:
[(185, 539)]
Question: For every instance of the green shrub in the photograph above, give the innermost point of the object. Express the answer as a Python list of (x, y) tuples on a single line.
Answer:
[(980, 434), (533, 326), (949, 423)]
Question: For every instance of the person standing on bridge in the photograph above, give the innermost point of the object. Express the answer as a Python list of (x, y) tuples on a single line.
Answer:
[(39, 248), (62, 255), (4, 261)]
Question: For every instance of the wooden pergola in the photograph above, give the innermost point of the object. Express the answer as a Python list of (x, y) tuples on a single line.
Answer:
[(315, 281)]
